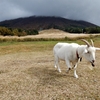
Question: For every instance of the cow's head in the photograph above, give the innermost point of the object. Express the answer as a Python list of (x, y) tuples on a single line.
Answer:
[(89, 52)]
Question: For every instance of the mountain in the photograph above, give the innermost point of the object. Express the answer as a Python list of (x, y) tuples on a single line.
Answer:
[(41, 22)]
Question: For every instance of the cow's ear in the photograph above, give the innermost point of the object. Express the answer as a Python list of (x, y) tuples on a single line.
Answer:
[(97, 48)]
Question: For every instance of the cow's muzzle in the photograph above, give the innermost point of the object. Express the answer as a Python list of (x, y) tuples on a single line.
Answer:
[(92, 63)]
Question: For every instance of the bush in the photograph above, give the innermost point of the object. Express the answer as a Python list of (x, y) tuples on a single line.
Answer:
[(5, 31), (74, 30), (32, 32), (83, 30), (19, 32), (16, 32), (93, 30)]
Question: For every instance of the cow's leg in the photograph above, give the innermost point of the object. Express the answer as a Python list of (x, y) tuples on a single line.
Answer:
[(68, 65), (75, 66), (57, 63), (75, 75)]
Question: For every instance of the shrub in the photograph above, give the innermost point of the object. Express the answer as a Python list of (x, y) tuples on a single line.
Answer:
[(5, 31), (31, 32), (16, 32)]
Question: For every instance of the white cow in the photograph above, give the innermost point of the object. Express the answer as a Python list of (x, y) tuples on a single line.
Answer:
[(73, 53)]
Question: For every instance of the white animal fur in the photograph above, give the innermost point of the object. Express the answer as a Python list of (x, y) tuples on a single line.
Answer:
[(72, 53)]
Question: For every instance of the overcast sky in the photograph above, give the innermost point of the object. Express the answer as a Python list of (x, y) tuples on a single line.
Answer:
[(87, 10)]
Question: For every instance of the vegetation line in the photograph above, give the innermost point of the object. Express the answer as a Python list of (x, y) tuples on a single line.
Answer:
[(19, 39)]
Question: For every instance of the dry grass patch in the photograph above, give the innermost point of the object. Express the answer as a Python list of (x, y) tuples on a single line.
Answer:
[(29, 74)]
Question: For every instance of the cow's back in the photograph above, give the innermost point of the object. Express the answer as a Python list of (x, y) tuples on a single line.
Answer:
[(63, 50)]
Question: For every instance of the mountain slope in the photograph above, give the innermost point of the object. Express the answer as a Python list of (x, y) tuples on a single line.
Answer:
[(41, 22)]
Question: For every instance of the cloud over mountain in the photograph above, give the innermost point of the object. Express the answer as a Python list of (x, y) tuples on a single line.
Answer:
[(87, 10)]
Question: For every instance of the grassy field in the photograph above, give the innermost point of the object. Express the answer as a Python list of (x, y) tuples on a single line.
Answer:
[(27, 73)]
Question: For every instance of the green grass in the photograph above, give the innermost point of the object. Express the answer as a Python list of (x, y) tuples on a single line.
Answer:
[(12, 47), (26, 46)]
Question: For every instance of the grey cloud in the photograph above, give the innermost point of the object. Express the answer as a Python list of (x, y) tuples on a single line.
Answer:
[(87, 10)]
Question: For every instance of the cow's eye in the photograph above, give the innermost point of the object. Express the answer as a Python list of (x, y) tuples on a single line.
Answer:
[(88, 52)]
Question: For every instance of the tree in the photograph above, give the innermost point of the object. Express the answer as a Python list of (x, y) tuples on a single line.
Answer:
[(5, 31)]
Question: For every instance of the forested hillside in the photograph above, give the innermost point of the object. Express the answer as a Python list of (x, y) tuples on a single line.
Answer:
[(31, 25)]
